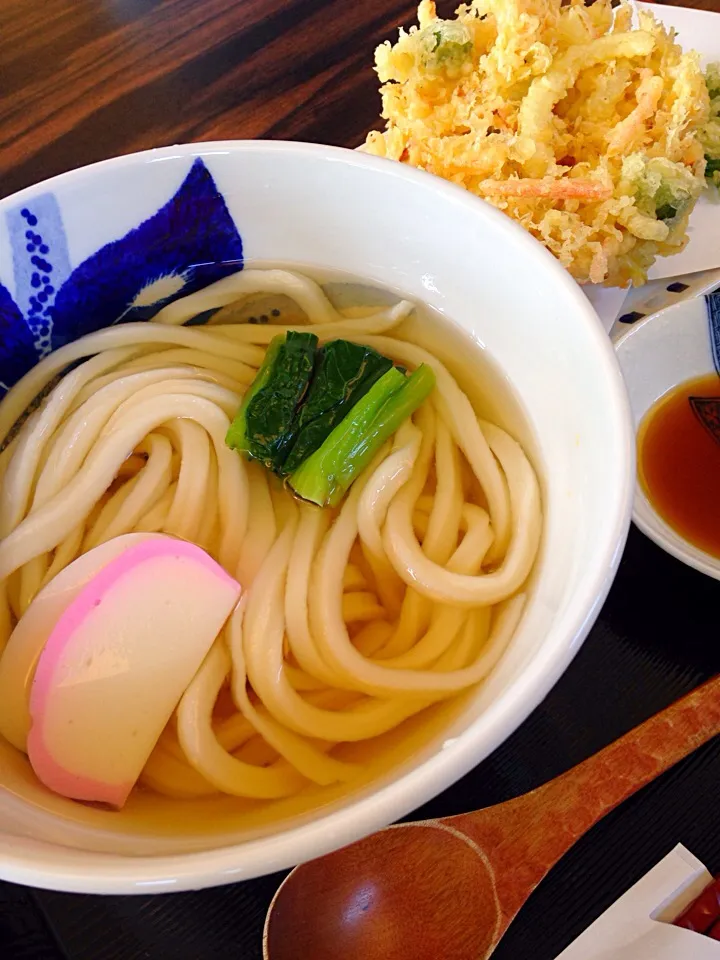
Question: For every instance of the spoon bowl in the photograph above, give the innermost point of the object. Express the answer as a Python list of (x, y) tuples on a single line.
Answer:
[(450, 888), (447, 882)]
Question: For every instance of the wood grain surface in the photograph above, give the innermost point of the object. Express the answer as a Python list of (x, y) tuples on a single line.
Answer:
[(82, 80)]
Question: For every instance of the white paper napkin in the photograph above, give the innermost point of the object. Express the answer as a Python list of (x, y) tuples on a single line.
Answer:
[(607, 301), (638, 926)]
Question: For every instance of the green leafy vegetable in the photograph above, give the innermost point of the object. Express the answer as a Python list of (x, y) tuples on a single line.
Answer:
[(344, 372), (318, 417), (326, 475), (713, 166), (261, 428)]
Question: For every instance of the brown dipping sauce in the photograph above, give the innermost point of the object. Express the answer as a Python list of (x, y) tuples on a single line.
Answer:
[(679, 460)]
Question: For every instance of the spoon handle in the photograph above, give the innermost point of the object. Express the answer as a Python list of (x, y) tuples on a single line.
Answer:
[(540, 826), (604, 780)]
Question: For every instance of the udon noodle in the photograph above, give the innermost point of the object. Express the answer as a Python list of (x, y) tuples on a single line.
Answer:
[(352, 620)]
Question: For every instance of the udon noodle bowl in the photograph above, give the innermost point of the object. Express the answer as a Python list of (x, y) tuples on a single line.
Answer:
[(361, 628)]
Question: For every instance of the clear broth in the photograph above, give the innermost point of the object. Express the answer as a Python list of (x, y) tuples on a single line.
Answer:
[(151, 824)]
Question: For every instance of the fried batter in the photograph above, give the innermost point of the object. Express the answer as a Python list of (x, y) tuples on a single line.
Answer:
[(580, 126)]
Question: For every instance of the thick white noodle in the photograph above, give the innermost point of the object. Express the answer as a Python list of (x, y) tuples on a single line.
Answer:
[(307, 294), (351, 620)]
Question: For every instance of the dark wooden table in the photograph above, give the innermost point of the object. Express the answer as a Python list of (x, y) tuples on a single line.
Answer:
[(81, 80)]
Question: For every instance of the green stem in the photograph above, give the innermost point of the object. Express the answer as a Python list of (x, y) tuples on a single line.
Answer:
[(326, 475)]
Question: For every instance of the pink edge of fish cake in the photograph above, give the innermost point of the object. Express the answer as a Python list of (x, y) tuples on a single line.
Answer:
[(54, 776)]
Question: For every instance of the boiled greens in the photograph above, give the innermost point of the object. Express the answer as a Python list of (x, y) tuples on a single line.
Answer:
[(316, 416), (344, 372), (262, 428), (326, 475)]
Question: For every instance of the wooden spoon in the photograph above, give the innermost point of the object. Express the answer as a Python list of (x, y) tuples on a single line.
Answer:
[(448, 889)]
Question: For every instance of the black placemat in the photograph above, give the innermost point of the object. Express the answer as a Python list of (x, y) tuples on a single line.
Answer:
[(656, 638)]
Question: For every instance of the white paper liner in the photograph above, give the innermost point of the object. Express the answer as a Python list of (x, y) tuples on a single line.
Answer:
[(638, 925)]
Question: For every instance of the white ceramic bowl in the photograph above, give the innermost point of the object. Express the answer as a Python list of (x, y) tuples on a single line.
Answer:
[(127, 230), (655, 355)]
